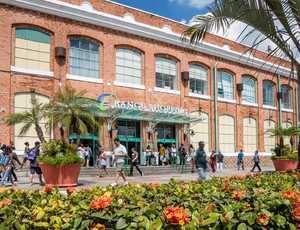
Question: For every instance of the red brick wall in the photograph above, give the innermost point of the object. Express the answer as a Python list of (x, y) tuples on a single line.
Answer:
[(61, 29)]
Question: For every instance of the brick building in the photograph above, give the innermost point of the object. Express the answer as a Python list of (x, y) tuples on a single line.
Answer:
[(141, 59)]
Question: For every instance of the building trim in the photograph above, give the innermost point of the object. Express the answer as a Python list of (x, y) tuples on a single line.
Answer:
[(163, 90), (249, 104), (287, 110), (232, 101), (129, 85), (92, 16), (269, 107), (201, 96), (84, 78), (32, 71)]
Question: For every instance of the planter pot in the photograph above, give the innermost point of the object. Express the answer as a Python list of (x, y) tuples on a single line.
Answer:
[(61, 176), (285, 165)]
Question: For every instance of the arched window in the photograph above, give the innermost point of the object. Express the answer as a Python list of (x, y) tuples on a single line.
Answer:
[(225, 85), (198, 79), (22, 103), (166, 73), (32, 49), (200, 130), (227, 134), (249, 89), (129, 66), (249, 135), (269, 141), (84, 57), (268, 93), (286, 97)]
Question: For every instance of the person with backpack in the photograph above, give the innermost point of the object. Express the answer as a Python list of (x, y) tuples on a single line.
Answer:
[(256, 161), (34, 167), (9, 165)]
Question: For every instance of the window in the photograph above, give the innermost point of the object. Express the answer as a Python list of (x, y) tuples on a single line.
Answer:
[(249, 135), (268, 93), (225, 85), (166, 131), (200, 130), (198, 79), (249, 89), (166, 73), (227, 134), (84, 58), (269, 140), (22, 103), (129, 66), (286, 97), (32, 49)]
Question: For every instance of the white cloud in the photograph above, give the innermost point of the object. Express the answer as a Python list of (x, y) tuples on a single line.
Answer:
[(193, 3)]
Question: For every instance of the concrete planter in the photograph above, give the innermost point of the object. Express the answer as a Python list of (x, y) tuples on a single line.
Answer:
[(285, 165), (61, 176)]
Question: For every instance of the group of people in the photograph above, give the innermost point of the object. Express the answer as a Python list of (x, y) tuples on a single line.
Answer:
[(240, 161), (9, 161)]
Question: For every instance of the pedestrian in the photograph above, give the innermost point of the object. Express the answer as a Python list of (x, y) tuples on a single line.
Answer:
[(240, 160), (149, 155), (213, 161), (102, 162), (134, 162), (201, 162), (15, 160), (256, 161), (26, 151), (119, 153), (220, 162), (192, 153), (34, 166), (162, 154), (8, 168), (182, 154), (81, 152), (173, 154)]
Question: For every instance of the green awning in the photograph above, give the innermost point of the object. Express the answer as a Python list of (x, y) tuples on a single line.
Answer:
[(85, 137), (129, 139), (166, 140)]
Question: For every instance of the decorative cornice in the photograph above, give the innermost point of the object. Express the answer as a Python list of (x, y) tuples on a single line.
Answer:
[(92, 16)]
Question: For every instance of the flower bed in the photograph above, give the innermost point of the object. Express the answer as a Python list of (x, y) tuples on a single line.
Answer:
[(269, 201)]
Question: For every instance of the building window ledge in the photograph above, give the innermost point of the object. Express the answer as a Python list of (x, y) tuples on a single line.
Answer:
[(287, 110), (269, 107), (201, 96), (83, 78), (129, 85), (31, 71), (250, 104), (163, 90), (227, 100)]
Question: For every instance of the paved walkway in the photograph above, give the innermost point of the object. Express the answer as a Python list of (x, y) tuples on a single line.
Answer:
[(104, 181)]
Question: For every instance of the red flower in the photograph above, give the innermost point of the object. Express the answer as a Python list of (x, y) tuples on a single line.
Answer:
[(101, 202), (262, 219), (291, 195), (5, 202), (296, 213), (238, 195), (48, 189), (70, 190), (176, 216), (226, 187)]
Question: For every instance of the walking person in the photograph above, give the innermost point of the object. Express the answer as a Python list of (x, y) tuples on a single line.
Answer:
[(220, 162), (240, 160), (15, 160), (256, 161), (119, 155), (149, 155), (192, 153), (201, 162), (9, 165), (102, 162), (182, 154), (134, 162), (213, 161), (162, 154), (173, 154), (34, 166)]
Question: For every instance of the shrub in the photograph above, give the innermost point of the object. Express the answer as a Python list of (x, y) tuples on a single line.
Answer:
[(284, 152)]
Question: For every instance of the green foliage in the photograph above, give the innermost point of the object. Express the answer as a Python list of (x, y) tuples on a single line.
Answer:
[(56, 152), (284, 152)]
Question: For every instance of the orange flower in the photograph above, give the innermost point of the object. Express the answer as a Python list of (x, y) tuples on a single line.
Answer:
[(226, 187), (154, 185), (226, 179), (98, 227), (176, 215), (48, 189), (210, 207), (101, 202), (238, 177), (296, 213), (5, 202), (238, 195), (291, 195), (70, 190), (262, 219)]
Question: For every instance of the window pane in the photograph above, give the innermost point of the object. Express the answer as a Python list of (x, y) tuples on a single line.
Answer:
[(198, 80), (249, 135), (84, 56), (286, 97), (227, 134), (225, 85), (268, 93), (249, 89), (166, 73)]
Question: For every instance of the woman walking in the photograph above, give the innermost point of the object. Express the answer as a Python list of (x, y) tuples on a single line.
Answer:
[(212, 161), (256, 161), (134, 162)]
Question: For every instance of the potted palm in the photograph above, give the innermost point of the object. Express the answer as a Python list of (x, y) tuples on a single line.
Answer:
[(284, 156)]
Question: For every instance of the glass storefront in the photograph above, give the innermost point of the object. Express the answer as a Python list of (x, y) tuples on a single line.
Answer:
[(166, 134)]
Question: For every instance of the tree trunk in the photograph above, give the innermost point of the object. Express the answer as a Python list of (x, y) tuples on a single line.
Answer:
[(40, 133), (62, 134), (77, 139)]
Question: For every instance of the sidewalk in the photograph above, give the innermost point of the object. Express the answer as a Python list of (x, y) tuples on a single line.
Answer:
[(105, 181)]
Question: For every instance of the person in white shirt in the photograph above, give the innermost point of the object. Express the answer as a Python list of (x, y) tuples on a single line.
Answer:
[(120, 153)]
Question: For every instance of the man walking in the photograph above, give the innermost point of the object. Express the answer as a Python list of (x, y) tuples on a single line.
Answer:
[(256, 161), (134, 162), (201, 162), (220, 162), (119, 153), (240, 160), (34, 167)]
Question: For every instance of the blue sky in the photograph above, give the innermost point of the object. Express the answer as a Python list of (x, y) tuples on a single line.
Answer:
[(175, 9)]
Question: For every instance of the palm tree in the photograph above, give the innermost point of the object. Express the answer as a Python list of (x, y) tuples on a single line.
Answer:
[(276, 20), (30, 118), (72, 113), (281, 133)]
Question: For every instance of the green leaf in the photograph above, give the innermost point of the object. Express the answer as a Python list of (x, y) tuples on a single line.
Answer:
[(41, 224), (77, 222), (213, 218), (85, 224), (242, 226), (101, 216), (157, 224), (121, 224), (279, 220)]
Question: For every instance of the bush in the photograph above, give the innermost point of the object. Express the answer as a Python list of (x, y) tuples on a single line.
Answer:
[(268, 201), (57, 153), (284, 152)]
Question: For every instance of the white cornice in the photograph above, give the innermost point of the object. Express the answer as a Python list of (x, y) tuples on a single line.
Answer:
[(92, 16)]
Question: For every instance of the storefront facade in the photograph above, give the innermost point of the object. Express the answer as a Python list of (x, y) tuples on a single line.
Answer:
[(162, 86)]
